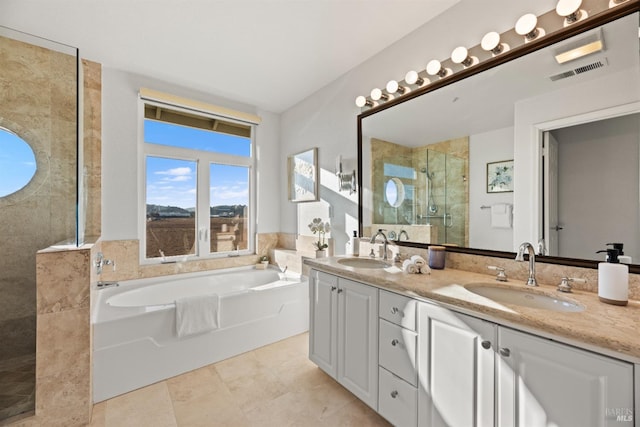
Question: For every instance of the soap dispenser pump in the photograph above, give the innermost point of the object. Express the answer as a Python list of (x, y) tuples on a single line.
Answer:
[(624, 259), (613, 279)]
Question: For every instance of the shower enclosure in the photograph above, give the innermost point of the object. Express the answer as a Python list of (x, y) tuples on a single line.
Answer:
[(38, 112)]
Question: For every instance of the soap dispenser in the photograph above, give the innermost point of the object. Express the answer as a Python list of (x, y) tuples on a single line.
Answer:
[(355, 244), (613, 279), (624, 259)]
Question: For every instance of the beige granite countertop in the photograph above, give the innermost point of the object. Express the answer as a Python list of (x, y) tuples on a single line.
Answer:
[(604, 328)]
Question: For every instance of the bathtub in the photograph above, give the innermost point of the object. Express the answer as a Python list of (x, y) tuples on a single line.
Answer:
[(134, 332)]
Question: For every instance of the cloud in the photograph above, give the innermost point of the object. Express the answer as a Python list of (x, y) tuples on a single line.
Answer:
[(186, 171)]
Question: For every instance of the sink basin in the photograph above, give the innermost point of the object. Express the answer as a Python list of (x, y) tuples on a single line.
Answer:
[(523, 297), (363, 263)]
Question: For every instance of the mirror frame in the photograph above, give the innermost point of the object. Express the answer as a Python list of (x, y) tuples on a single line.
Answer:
[(590, 23)]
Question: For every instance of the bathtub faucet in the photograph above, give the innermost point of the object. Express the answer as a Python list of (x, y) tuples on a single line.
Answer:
[(101, 261)]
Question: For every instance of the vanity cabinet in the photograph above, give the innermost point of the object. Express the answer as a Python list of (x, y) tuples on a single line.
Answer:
[(456, 368), (542, 382), (343, 333), (471, 369)]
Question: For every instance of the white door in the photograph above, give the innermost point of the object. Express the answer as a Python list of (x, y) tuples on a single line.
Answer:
[(552, 227), (456, 369), (542, 383), (358, 340), (323, 350)]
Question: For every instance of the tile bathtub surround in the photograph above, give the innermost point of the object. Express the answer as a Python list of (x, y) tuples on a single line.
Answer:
[(275, 385), (126, 254)]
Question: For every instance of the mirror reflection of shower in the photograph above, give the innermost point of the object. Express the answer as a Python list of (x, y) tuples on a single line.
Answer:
[(432, 207)]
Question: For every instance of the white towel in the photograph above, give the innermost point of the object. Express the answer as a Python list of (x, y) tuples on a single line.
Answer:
[(418, 261), (501, 215), (409, 267), (197, 314)]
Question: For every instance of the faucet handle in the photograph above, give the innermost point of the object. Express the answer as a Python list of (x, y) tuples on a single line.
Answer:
[(501, 276), (565, 285)]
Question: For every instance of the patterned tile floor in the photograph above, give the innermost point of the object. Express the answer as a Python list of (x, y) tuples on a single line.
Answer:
[(17, 386), (275, 385)]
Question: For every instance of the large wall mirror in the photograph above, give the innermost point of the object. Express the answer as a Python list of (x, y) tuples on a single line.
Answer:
[(565, 137)]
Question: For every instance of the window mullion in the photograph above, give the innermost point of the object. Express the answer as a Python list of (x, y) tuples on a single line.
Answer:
[(204, 222)]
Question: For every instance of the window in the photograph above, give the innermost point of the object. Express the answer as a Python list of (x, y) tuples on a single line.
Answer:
[(198, 184), (17, 163)]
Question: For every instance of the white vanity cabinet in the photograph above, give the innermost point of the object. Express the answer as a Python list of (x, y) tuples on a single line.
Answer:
[(343, 333), (471, 369), (543, 383), (398, 388), (456, 368)]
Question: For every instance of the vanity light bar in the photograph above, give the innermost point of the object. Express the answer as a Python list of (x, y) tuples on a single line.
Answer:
[(526, 26)]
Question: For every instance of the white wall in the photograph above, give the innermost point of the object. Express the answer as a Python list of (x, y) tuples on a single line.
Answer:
[(121, 150), (488, 147), (327, 119), (533, 115)]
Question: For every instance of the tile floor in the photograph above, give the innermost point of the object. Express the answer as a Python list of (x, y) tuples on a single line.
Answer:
[(275, 385), (17, 386)]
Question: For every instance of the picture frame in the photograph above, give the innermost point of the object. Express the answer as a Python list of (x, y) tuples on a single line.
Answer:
[(303, 176), (500, 177)]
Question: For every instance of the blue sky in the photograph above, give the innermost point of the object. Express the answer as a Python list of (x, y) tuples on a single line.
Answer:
[(17, 163), (173, 182)]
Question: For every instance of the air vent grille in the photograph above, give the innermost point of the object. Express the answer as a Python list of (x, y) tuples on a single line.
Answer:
[(583, 69)]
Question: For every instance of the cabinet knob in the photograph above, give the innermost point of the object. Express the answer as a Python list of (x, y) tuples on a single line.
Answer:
[(486, 344), (340, 290), (394, 310), (394, 394), (505, 352), (333, 288), (395, 343)]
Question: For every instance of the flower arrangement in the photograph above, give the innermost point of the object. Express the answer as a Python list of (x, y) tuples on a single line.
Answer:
[(322, 228)]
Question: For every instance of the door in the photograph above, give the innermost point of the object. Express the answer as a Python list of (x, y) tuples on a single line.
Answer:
[(544, 383), (323, 350), (358, 340), (551, 226), (456, 369)]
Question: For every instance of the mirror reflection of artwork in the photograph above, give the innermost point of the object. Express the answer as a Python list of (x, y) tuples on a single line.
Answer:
[(303, 176), (500, 177)]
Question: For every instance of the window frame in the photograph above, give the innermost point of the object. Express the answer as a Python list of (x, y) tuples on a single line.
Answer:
[(203, 160)]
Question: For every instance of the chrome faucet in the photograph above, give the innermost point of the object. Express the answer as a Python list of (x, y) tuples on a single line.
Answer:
[(532, 261), (385, 242)]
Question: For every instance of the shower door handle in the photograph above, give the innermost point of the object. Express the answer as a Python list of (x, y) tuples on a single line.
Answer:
[(558, 228)]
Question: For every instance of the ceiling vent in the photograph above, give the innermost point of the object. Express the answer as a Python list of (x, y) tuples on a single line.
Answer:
[(579, 70)]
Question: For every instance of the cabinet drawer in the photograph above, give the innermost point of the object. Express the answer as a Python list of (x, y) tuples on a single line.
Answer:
[(398, 309), (397, 400), (398, 351)]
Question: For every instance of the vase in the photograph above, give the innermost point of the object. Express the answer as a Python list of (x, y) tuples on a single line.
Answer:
[(321, 253)]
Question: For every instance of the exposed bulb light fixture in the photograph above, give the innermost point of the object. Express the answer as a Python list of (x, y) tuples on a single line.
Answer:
[(361, 102), (412, 78), (377, 95), (570, 11), (435, 68), (491, 43), (460, 55), (393, 87), (527, 27)]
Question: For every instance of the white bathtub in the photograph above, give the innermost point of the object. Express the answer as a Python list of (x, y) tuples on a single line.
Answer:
[(134, 332)]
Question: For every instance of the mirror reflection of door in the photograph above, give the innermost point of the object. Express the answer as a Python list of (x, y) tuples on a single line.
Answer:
[(596, 194)]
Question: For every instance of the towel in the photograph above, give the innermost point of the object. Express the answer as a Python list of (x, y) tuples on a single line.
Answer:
[(409, 267), (418, 261), (501, 215), (197, 314)]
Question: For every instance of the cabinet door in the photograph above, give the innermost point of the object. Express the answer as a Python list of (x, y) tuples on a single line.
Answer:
[(358, 340), (545, 383), (455, 368), (323, 349)]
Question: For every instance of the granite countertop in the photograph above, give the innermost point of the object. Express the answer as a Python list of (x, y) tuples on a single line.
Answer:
[(600, 327)]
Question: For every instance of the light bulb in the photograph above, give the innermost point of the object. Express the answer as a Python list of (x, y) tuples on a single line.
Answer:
[(460, 55), (570, 11), (361, 101), (393, 87), (412, 78), (434, 68), (376, 95), (526, 26)]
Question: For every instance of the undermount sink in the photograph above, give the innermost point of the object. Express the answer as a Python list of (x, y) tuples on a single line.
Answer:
[(363, 263), (524, 298)]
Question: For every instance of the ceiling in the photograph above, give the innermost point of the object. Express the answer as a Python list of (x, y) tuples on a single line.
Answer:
[(267, 53)]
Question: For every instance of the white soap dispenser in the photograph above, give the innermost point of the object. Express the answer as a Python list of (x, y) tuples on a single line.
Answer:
[(613, 279), (355, 244)]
